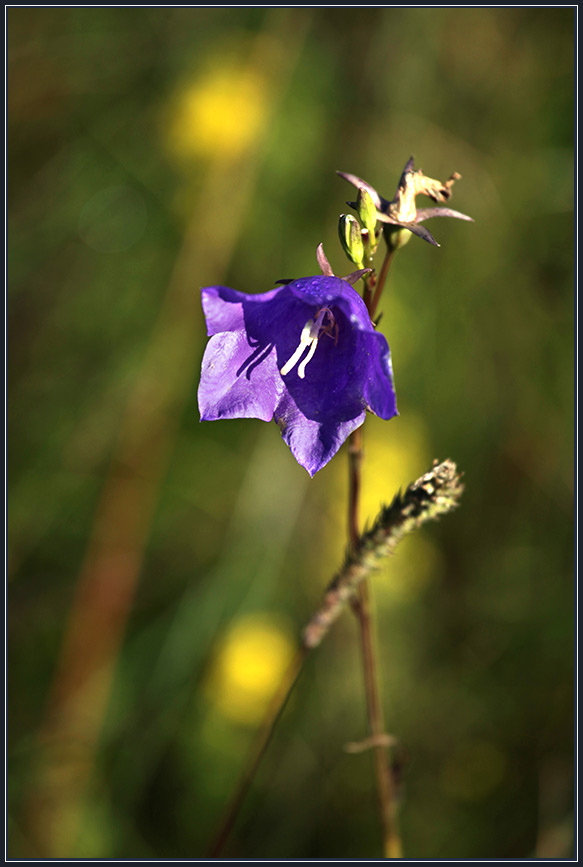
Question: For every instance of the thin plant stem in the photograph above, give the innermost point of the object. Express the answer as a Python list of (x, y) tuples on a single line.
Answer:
[(380, 283), (392, 846), (259, 746), (361, 606)]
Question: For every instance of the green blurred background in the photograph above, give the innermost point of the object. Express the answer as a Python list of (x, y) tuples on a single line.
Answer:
[(160, 569)]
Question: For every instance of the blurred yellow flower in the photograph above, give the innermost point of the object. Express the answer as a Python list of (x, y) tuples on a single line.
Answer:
[(220, 114), (249, 667), (394, 458)]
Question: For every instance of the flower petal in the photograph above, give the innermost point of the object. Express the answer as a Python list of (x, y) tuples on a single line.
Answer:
[(333, 291), (312, 443), (427, 213), (238, 380), (379, 390), (223, 307)]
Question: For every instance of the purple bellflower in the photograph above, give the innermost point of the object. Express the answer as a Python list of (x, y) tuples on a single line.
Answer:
[(306, 354)]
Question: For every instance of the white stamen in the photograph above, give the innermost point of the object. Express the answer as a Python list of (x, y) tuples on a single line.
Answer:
[(305, 341), (309, 356), (308, 341)]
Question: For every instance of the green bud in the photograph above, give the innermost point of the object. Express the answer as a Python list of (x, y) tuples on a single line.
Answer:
[(395, 237), (351, 238), (366, 210)]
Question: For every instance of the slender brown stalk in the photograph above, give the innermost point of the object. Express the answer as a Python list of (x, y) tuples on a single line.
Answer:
[(380, 283), (361, 606), (260, 744), (392, 847)]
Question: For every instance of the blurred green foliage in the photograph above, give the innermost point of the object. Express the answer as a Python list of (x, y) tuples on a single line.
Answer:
[(160, 569)]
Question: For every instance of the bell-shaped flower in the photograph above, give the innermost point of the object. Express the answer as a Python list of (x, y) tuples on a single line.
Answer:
[(306, 354), (402, 210)]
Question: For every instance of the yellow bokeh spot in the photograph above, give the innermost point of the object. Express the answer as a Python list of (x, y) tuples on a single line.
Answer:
[(409, 572), (249, 667), (473, 770), (396, 453), (219, 115)]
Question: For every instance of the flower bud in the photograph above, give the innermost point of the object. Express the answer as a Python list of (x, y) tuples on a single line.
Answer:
[(367, 212), (351, 238), (395, 237)]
